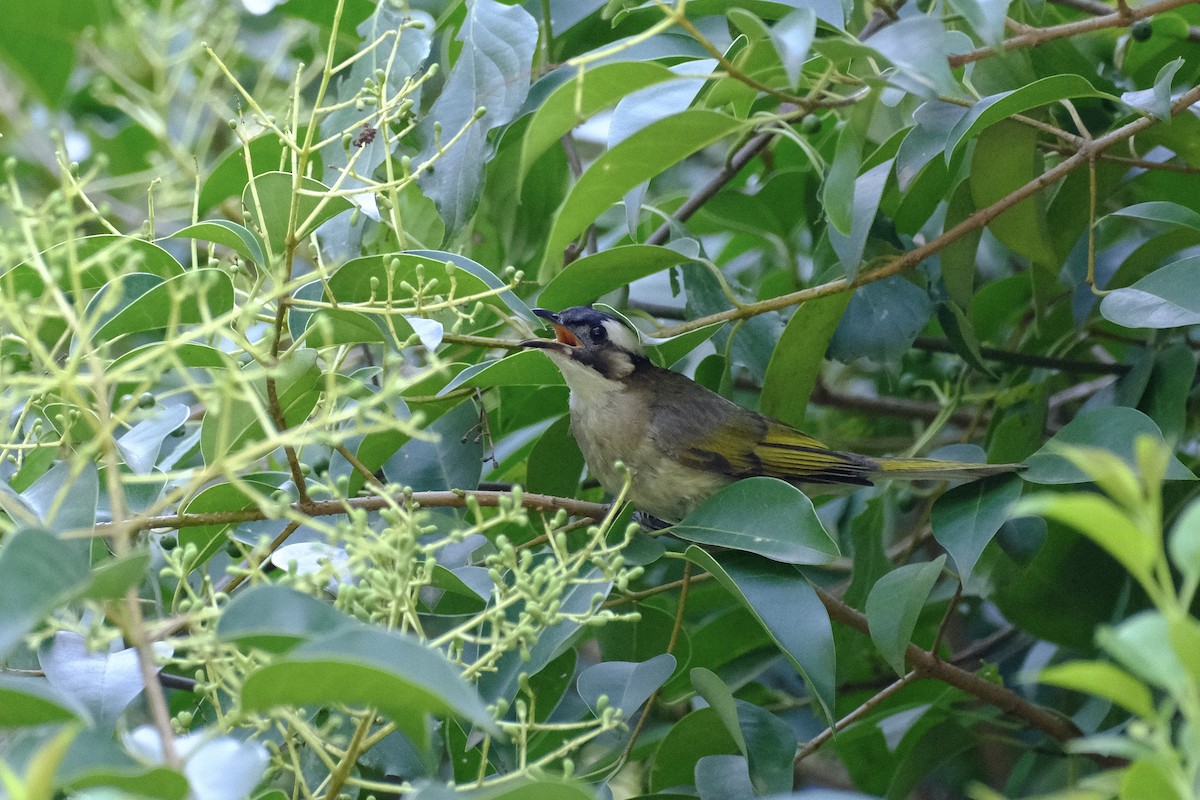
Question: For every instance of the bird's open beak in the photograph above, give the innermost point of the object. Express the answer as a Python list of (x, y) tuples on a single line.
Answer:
[(563, 339)]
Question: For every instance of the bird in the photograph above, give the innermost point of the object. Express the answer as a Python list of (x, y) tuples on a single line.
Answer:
[(682, 442)]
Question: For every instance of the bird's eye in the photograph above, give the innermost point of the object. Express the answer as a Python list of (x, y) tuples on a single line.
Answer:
[(598, 333)]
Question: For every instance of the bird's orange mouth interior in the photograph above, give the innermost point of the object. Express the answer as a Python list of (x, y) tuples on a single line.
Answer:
[(565, 336)]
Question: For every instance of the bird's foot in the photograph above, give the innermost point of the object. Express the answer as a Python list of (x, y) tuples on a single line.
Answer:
[(650, 522)]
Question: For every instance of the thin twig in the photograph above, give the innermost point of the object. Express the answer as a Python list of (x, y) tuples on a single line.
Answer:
[(926, 665), (1116, 19), (975, 221), (327, 508), (1098, 9), (1026, 359), (678, 626), (873, 702)]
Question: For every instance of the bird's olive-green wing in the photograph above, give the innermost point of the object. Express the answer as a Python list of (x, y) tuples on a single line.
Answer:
[(748, 444)]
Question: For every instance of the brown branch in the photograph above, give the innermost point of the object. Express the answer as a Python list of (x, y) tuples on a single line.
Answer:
[(926, 665), (1026, 359), (327, 508), (822, 395), (1037, 36), (873, 702), (1087, 152), (741, 158), (1140, 163), (1096, 8)]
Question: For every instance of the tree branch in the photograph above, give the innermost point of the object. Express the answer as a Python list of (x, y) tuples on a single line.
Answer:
[(1087, 152), (327, 508), (926, 665), (1096, 8)]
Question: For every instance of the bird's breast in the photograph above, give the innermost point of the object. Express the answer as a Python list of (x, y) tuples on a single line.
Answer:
[(615, 428)]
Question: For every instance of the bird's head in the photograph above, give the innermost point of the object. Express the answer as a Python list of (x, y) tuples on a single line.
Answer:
[(589, 341)]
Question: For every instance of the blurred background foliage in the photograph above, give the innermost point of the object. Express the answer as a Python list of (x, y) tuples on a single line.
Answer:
[(286, 512)]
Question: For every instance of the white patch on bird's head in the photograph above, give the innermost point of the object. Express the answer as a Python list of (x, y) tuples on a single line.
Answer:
[(596, 341), (623, 337)]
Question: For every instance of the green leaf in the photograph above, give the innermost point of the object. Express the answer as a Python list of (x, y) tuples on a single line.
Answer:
[(361, 666), (141, 444), (625, 684), (379, 280), (492, 73), (277, 618), (918, 46), (957, 259), (585, 279), (1184, 634), (1166, 398), (1161, 211), (792, 37), (229, 176), (998, 107), (1184, 542), (881, 321), (64, 498), (37, 574), (96, 760), (986, 18), (147, 303), (189, 355), (90, 262), (579, 98), (220, 497), (960, 333), (524, 368), (27, 701), (965, 518), (797, 358), (236, 424), (1115, 428), (115, 576), (452, 460), (720, 699), (1006, 158), (555, 464), (645, 638), (37, 42), (543, 789), (640, 157), (102, 682), (332, 327), (867, 193), (770, 748), (837, 190), (1155, 101), (895, 603), (489, 278), (236, 237), (765, 516), (1143, 646), (1103, 680), (669, 352), (1166, 298), (721, 776), (267, 199), (789, 610), (698, 734), (1156, 776), (1102, 521)]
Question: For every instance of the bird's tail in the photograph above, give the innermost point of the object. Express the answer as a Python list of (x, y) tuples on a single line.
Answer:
[(930, 469)]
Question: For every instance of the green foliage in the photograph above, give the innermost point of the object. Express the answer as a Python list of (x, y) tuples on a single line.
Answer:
[(271, 442)]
